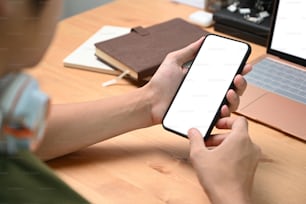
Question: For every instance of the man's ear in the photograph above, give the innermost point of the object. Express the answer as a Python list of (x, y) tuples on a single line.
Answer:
[(4, 7)]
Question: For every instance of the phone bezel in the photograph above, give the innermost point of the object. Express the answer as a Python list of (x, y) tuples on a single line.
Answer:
[(224, 101)]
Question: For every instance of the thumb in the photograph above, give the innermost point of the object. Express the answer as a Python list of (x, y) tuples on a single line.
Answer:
[(188, 53), (195, 139)]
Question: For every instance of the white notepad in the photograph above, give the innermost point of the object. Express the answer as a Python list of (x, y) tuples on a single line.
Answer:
[(84, 56)]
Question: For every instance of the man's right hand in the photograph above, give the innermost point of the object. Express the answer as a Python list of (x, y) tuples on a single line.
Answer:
[(226, 171)]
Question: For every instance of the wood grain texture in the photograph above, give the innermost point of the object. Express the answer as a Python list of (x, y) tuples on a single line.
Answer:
[(151, 165)]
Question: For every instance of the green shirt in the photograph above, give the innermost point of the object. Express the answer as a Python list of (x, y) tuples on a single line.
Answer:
[(25, 179)]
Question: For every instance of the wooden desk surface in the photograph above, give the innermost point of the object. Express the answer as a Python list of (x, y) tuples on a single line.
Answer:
[(150, 165)]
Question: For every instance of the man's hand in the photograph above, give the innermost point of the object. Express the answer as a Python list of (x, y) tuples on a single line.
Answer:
[(168, 77), (226, 172)]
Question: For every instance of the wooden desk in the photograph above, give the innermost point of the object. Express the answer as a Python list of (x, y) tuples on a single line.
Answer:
[(151, 165)]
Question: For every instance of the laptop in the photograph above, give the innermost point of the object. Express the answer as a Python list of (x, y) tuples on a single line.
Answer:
[(276, 92)]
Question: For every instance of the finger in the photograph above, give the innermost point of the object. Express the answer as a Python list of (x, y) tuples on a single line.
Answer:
[(240, 124), (240, 84), (226, 123), (196, 140), (247, 68), (233, 100), (225, 111), (215, 140), (188, 53), (238, 127), (185, 70)]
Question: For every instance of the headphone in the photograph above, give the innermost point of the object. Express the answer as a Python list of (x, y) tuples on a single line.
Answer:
[(23, 113)]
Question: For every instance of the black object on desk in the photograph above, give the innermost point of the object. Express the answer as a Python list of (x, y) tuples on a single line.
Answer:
[(235, 24)]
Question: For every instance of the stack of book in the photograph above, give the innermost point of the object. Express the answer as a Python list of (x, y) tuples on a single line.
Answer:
[(140, 51)]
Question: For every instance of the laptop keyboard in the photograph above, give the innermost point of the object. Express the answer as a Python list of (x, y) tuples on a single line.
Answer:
[(280, 79)]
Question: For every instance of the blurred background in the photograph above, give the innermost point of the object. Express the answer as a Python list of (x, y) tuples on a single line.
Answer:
[(73, 7)]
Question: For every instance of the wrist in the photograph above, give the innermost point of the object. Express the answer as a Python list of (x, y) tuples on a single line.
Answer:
[(155, 102), (148, 99), (227, 196)]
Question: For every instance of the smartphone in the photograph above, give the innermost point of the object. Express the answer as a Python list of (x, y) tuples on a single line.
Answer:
[(202, 92)]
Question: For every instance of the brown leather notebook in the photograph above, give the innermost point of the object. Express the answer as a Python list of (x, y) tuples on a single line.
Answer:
[(143, 49)]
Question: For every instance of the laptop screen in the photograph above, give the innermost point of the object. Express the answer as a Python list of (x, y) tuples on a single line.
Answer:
[(288, 34)]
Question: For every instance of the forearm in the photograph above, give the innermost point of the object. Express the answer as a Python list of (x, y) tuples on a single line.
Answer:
[(74, 126)]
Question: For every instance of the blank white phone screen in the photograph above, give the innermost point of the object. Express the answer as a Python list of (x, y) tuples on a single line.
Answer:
[(204, 88)]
